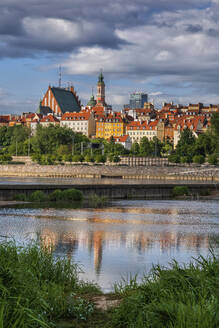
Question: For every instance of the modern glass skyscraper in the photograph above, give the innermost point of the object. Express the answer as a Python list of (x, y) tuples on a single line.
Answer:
[(137, 100)]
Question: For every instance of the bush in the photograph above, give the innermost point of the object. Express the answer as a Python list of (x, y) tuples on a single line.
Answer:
[(198, 159), (212, 159), (180, 191), (38, 196), (5, 158), (116, 159), (174, 158), (96, 201), (185, 159), (20, 197), (56, 195), (77, 158), (100, 159), (88, 158), (72, 195)]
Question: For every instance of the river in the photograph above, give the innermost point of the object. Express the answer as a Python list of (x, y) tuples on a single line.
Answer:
[(124, 239)]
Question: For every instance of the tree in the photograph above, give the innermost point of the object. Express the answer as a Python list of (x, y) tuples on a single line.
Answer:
[(186, 146), (135, 149), (145, 148)]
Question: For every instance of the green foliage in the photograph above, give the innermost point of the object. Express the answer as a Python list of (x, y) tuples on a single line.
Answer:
[(215, 123), (38, 196), (213, 159), (198, 159), (96, 201), (174, 158), (88, 158), (20, 197), (116, 159), (5, 158), (135, 149), (37, 289), (56, 196), (77, 158), (72, 195), (180, 297), (100, 159), (180, 191)]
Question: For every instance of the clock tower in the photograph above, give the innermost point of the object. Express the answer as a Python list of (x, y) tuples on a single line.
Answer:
[(101, 90)]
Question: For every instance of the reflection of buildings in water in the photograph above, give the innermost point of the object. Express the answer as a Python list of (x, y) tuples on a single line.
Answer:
[(94, 241), (48, 239), (98, 250)]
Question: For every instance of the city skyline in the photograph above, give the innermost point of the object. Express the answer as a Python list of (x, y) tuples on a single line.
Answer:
[(166, 49)]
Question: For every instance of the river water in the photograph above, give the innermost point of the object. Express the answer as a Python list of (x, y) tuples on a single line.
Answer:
[(122, 240)]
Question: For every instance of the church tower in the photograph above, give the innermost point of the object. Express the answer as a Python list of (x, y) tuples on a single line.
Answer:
[(101, 90)]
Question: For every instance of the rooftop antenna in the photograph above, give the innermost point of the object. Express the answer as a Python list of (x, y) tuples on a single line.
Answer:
[(60, 76)]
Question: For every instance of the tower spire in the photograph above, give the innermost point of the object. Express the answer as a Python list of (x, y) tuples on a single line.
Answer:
[(60, 76)]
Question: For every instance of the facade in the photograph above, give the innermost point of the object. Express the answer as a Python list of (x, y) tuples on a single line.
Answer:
[(125, 141), (59, 100), (48, 120), (82, 122), (111, 125), (137, 100), (137, 130)]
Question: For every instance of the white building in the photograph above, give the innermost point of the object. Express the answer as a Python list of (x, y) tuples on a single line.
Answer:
[(82, 122)]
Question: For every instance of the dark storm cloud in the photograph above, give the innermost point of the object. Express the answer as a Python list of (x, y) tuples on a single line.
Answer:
[(46, 25)]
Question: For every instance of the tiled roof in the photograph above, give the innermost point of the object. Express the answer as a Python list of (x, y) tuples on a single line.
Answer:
[(66, 100), (49, 118), (75, 116)]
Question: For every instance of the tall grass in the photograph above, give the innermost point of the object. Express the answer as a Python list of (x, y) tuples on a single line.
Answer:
[(37, 289), (178, 297)]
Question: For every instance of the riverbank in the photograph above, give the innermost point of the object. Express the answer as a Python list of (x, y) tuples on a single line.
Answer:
[(186, 174), (39, 290)]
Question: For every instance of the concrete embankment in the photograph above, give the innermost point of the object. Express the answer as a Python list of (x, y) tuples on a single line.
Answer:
[(161, 173), (111, 191)]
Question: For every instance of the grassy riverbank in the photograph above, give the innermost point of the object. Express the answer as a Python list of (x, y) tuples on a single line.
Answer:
[(39, 290)]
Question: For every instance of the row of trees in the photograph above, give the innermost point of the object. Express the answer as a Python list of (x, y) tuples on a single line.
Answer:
[(56, 144)]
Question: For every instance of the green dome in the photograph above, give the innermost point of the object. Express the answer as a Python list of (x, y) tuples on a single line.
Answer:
[(92, 102)]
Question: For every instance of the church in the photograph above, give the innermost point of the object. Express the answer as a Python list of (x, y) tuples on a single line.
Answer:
[(58, 101)]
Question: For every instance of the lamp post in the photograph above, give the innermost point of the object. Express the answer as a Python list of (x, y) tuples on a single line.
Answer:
[(72, 150)]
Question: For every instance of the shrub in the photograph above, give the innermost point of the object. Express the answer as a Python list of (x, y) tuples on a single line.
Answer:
[(72, 195), (174, 158), (212, 159), (5, 158), (38, 196), (100, 159), (88, 158), (56, 195), (96, 201), (185, 159), (116, 159), (20, 197), (180, 191), (198, 159), (76, 158)]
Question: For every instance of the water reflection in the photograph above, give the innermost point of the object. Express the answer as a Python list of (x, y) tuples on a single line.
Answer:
[(127, 238)]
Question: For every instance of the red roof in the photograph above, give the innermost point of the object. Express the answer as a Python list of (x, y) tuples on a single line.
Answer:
[(76, 116), (49, 118)]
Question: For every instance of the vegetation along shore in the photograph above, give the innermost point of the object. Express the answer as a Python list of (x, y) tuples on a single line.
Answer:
[(40, 290)]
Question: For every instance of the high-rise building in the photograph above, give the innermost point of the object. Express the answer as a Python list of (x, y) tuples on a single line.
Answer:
[(137, 100)]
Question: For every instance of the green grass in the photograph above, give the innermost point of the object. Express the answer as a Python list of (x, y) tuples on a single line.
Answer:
[(97, 201), (179, 297), (40, 290), (37, 289)]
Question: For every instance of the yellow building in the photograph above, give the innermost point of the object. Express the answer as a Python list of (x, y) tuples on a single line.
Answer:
[(111, 125)]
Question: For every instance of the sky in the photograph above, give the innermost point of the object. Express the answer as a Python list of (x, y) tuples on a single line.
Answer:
[(166, 48)]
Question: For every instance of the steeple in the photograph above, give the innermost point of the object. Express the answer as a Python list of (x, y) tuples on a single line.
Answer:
[(101, 90)]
